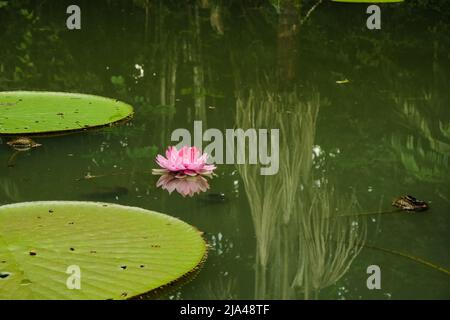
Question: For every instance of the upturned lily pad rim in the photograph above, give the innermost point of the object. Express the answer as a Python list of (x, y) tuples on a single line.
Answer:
[(155, 292), (50, 134), (71, 131)]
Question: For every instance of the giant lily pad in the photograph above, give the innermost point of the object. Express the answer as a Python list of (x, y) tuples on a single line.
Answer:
[(29, 112), (121, 252)]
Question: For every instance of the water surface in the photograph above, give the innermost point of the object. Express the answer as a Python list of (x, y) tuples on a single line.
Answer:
[(363, 118)]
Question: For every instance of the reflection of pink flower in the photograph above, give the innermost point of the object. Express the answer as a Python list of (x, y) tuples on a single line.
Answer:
[(184, 162), (186, 185)]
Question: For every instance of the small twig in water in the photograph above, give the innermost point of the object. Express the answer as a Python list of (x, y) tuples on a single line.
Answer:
[(310, 11), (90, 176), (410, 257)]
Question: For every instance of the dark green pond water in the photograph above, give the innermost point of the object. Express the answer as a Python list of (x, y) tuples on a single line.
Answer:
[(363, 116)]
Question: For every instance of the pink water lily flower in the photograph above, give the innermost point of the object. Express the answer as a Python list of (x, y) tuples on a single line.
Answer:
[(186, 186), (184, 162)]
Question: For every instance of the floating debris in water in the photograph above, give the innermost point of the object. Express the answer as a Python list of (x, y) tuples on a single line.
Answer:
[(342, 81), (213, 198)]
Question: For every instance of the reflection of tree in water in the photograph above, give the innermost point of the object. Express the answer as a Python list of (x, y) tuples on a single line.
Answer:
[(424, 149), (174, 63), (223, 289), (327, 244), (301, 246), (9, 191)]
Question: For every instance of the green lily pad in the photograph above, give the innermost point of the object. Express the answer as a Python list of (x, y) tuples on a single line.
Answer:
[(121, 252), (30, 112)]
